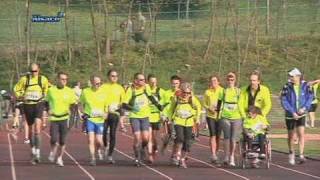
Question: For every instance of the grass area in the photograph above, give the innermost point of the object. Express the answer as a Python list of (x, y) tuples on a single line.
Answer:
[(284, 130), (311, 147)]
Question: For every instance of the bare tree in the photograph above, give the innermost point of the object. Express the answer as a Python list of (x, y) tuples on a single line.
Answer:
[(28, 30), (210, 39), (95, 36), (66, 26), (106, 30)]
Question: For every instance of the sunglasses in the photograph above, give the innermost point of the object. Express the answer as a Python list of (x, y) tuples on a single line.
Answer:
[(141, 79), (97, 84), (113, 75), (186, 92), (230, 80), (34, 71)]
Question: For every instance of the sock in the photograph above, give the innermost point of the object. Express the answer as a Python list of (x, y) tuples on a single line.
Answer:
[(37, 141)]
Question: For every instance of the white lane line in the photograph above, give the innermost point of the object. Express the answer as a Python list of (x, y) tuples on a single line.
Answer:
[(148, 167), (279, 166), (75, 161), (226, 171), (289, 169), (142, 163), (13, 169)]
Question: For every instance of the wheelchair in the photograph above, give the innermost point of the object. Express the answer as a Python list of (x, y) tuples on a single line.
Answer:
[(246, 154)]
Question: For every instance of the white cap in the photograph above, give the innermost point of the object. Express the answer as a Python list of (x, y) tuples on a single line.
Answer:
[(2, 92), (295, 72)]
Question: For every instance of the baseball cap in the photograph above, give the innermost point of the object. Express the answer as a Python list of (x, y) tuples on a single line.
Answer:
[(295, 72)]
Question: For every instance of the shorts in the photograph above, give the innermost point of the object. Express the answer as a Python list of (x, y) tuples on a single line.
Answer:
[(313, 108), (232, 129), (58, 132), (155, 126), (183, 135), (139, 124), (214, 127), (97, 128), (291, 123), (33, 111)]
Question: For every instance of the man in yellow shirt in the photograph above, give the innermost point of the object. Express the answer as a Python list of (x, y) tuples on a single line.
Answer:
[(138, 100), (95, 103), (212, 103), (32, 89), (116, 96), (60, 99)]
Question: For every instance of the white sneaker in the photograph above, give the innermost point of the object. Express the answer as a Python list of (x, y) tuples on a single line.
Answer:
[(111, 160), (100, 155), (232, 163), (26, 141), (60, 162), (51, 157), (37, 155), (262, 156), (292, 159), (302, 158), (214, 159)]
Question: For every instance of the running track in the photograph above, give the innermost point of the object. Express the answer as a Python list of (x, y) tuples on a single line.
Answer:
[(15, 164)]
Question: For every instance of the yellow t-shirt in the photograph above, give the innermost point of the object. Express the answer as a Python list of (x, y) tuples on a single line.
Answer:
[(210, 99), (60, 101), (95, 104), (141, 103), (159, 95), (116, 96)]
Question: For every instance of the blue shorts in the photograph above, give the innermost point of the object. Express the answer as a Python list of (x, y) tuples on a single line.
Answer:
[(140, 124), (97, 128)]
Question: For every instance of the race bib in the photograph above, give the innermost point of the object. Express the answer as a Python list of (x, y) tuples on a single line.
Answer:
[(140, 102), (258, 127), (184, 114), (113, 107), (231, 107), (97, 113), (33, 95)]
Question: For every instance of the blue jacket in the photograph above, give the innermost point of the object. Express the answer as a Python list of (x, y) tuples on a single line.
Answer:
[(288, 98)]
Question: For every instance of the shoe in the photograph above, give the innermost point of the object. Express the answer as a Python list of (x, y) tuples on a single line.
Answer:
[(111, 160), (100, 155), (232, 163), (60, 162), (183, 164), (214, 159), (262, 156), (174, 161), (26, 141), (93, 162), (302, 159), (37, 156), (137, 162), (51, 157), (292, 159), (33, 159)]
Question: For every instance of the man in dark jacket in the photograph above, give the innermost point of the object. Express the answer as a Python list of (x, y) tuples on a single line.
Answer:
[(296, 98)]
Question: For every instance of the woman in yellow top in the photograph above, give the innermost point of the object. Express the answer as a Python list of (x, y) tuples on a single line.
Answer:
[(137, 101), (158, 93), (231, 122), (95, 102), (185, 111), (116, 96), (212, 103)]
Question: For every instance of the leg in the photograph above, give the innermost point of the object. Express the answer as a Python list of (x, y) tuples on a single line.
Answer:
[(63, 131), (113, 128), (145, 135), (54, 130), (236, 131), (187, 131), (178, 143), (312, 117), (291, 124), (226, 127), (212, 139)]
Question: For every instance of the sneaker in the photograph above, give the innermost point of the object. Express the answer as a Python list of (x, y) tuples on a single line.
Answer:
[(51, 157), (292, 159), (111, 160), (137, 162), (37, 156), (214, 159), (33, 159), (262, 156), (100, 155), (302, 159), (183, 164), (93, 162), (174, 161), (26, 141), (60, 162), (232, 163)]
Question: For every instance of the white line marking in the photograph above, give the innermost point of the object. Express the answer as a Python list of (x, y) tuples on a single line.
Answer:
[(75, 161), (279, 166), (13, 169), (289, 169), (148, 167), (229, 172)]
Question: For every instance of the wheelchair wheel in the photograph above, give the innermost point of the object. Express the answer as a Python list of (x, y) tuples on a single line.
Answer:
[(242, 154), (268, 154)]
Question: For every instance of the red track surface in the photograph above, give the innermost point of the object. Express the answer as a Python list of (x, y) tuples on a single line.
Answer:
[(17, 165)]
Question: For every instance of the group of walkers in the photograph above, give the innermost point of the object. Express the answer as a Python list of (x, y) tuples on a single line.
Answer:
[(151, 109)]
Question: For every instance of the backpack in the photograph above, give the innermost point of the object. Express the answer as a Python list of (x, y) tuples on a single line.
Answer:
[(151, 98)]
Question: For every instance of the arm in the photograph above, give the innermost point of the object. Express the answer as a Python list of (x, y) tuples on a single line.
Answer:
[(198, 109), (267, 102), (285, 101), (241, 104), (19, 87)]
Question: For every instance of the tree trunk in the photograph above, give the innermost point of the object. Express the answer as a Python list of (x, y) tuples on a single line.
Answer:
[(66, 26), (210, 39), (106, 31), (28, 30), (95, 36)]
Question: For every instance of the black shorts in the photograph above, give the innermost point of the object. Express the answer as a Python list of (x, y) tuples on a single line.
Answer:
[(33, 111), (291, 123), (214, 127), (155, 126), (313, 108), (183, 135)]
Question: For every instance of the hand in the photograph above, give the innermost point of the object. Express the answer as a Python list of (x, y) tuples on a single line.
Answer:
[(250, 135), (296, 116), (301, 111)]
